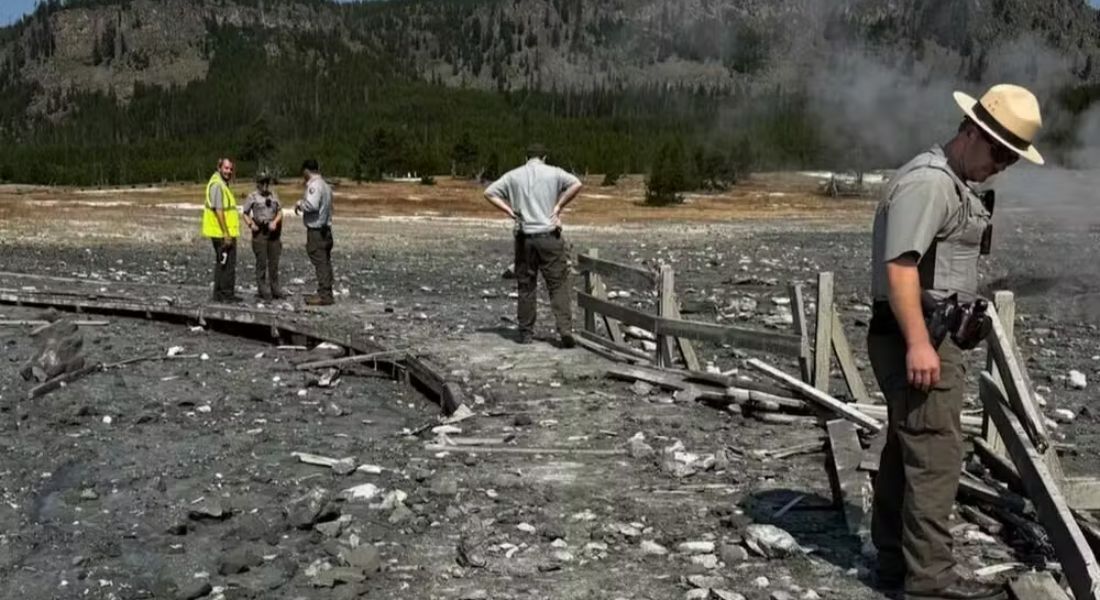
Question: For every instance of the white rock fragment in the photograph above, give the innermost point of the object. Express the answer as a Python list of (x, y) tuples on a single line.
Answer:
[(1063, 415), (174, 350), (761, 582), (707, 561), (653, 548), (700, 547), (1077, 380), (697, 594), (770, 541), (979, 537), (526, 527), (365, 491)]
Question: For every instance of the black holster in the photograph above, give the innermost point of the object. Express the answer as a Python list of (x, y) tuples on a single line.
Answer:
[(968, 324)]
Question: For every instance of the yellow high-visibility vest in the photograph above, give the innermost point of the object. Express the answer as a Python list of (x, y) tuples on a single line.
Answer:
[(210, 226)]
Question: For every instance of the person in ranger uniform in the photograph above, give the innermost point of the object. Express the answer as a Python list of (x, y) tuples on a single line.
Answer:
[(316, 210), (263, 214), (929, 230), (534, 196), (221, 224)]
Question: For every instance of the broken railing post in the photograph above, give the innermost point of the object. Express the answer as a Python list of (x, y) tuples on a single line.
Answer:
[(590, 281), (847, 362), (1015, 383), (1005, 303), (666, 297), (798, 314), (1070, 545), (823, 344)]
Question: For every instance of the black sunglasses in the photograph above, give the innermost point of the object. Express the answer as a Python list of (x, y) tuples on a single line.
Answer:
[(1000, 153)]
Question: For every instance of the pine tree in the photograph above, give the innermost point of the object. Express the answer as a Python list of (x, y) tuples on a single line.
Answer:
[(668, 176), (464, 157)]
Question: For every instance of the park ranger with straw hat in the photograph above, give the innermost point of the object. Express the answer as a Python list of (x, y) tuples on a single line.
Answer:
[(929, 230)]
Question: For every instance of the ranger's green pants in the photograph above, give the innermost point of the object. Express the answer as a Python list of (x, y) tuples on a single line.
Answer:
[(919, 471)]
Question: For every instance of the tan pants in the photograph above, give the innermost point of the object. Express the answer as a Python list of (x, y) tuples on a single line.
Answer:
[(918, 474)]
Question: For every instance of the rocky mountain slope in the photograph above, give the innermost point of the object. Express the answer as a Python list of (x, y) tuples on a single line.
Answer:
[(728, 46)]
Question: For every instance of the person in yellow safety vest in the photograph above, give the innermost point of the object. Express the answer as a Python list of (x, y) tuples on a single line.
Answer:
[(221, 223)]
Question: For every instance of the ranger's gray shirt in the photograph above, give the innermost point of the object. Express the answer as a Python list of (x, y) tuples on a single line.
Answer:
[(256, 206), (532, 191), (317, 204), (927, 211)]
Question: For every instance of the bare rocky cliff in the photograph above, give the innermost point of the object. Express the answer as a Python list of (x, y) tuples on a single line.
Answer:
[(728, 46)]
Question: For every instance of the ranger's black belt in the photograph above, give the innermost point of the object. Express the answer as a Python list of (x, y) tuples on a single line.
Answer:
[(542, 234), (966, 323), (883, 321)]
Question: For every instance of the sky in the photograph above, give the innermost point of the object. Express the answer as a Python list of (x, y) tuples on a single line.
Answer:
[(11, 10)]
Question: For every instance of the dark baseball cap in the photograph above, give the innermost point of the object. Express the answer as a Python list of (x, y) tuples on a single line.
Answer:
[(536, 149)]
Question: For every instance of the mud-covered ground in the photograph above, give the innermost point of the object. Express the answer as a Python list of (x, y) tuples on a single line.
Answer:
[(122, 509)]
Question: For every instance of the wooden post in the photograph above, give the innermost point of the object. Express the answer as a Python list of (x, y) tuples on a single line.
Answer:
[(666, 307), (1070, 545), (1006, 308), (798, 312), (590, 280), (691, 361), (847, 362), (1016, 383), (823, 344), (599, 290)]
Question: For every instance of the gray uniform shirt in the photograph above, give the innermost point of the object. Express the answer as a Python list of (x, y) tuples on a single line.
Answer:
[(532, 190), (929, 212), (216, 197), (256, 206), (316, 205)]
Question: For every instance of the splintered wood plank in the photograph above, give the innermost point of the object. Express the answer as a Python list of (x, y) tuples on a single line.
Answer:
[(823, 343), (638, 277), (1036, 585), (1070, 545), (848, 363), (851, 486), (798, 313), (817, 396), (1006, 308), (1015, 383), (691, 360)]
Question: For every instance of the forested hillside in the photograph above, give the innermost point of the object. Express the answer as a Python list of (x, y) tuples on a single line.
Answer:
[(117, 91)]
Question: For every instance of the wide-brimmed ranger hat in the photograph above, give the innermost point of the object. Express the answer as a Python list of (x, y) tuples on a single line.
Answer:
[(1010, 114)]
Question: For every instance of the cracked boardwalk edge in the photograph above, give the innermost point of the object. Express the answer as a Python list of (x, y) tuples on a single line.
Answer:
[(418, 372)]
